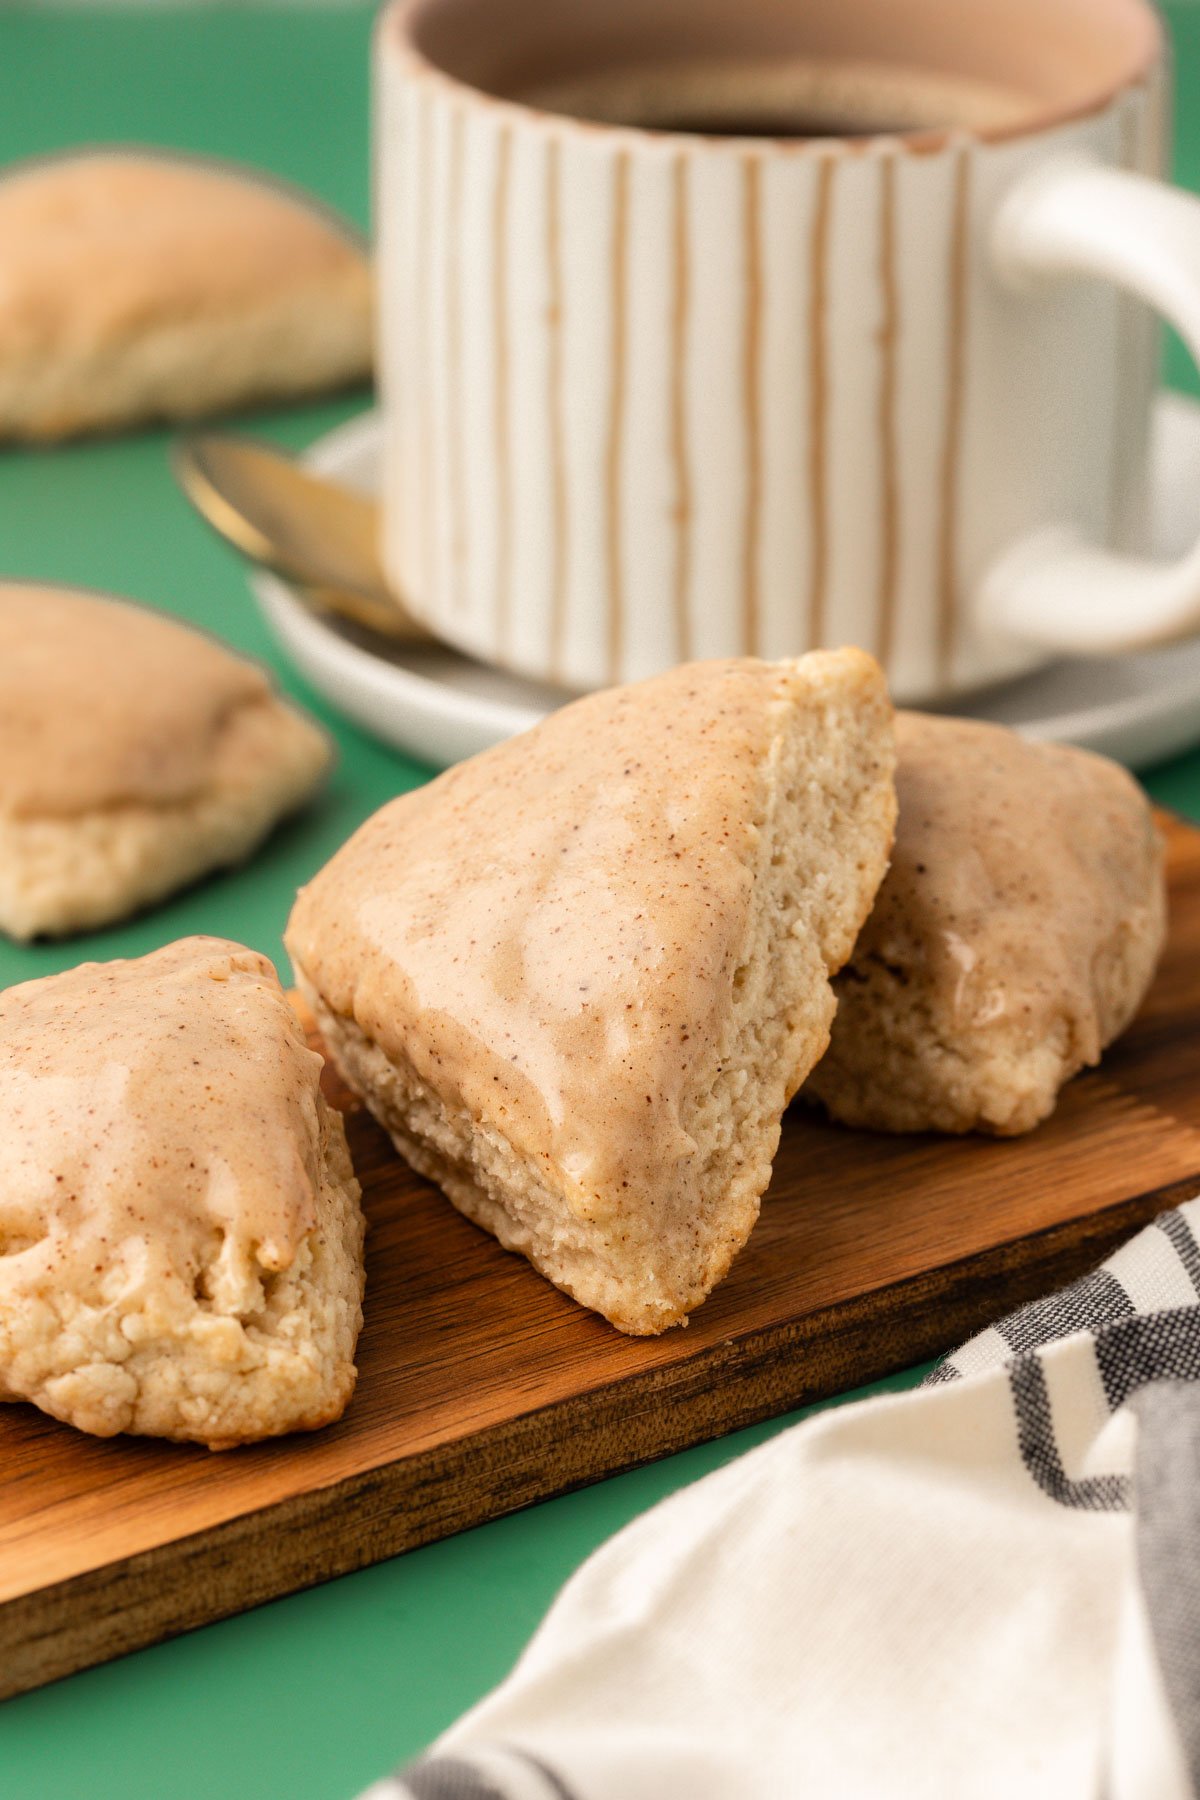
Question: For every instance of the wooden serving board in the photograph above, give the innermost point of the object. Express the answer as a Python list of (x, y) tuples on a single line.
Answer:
[(482, 1388)]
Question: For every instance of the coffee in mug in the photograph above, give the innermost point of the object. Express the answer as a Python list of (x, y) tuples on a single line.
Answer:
[(790, 98)]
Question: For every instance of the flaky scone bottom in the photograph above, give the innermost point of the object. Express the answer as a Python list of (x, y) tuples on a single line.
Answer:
[(234, 1355), (307, 342), (60, 875)]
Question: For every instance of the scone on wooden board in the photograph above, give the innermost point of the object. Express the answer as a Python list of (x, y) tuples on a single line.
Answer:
[(1015, 936), (141, 285), (180, 1231), (579, 977), (135, 755)]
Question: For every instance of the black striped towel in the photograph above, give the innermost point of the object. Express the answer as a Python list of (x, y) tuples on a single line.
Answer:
[(987, 1587)]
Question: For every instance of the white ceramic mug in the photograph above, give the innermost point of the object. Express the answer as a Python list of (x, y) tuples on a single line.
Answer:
[(650, 395)]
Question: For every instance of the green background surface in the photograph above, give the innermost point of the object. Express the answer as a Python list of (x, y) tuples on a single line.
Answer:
[(314, 1696)]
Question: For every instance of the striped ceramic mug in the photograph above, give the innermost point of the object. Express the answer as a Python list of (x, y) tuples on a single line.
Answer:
[(658, 393)]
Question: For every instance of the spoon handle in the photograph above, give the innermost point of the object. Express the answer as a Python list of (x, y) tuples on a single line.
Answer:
[(317, 534)]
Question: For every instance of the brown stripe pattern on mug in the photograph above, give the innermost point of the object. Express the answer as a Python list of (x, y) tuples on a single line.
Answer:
[(657, 396)]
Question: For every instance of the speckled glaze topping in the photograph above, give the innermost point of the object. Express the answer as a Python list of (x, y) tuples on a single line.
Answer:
[(107, 243), (103, 703), (154, 1110), (967, 909), (600, 872)]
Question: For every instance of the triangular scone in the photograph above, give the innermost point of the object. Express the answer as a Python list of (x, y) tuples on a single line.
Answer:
[(180, 1232), (1015, 936), (140, 286), (579, 977), (135, 755)]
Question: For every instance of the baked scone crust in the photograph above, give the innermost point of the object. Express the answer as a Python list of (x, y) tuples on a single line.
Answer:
[(144, 285), (1015, 936), (579, 977), (135, 756), (180, 1229)]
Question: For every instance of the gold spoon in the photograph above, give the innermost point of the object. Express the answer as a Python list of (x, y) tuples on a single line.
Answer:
[(317, 533)]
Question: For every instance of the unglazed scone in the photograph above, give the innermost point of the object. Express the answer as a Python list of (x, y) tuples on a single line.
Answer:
[(579, 977), (135, 755), (1015, 935), (137, 286), (180, 1231)]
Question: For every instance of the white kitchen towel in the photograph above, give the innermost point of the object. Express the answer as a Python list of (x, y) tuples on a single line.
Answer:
[(989, 1586)]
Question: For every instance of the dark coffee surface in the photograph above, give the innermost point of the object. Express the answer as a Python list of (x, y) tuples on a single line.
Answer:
[(782, 124), (785, 98)]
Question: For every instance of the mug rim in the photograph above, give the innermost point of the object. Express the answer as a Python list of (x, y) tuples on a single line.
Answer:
[(395, 36)]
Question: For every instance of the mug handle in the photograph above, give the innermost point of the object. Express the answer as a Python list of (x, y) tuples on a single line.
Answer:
[(1076, 217)]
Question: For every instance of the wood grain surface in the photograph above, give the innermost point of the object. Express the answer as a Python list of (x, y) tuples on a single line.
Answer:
[(482, 1389)]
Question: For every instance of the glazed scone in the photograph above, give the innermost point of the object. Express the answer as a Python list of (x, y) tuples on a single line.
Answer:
[(135, 755), (180, 1231), (140, 286), (579, 977), (1015, 936)]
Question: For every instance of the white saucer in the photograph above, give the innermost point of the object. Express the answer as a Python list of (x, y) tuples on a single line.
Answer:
[(440, 706)]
